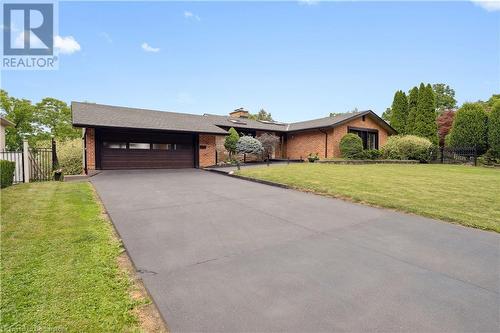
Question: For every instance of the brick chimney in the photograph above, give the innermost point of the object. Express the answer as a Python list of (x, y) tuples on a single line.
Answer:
[(239, 113)]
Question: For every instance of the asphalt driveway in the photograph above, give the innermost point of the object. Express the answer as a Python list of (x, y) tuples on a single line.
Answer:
[(220, 254)]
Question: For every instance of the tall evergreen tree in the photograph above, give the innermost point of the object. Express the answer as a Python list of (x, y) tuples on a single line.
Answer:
[(412, 110), (425, 120), (399, 111), (470, 127)]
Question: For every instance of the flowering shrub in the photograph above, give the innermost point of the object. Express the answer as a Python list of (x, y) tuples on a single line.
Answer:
[(407, 147)]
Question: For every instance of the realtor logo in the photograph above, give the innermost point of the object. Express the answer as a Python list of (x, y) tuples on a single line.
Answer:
[(28, 36)]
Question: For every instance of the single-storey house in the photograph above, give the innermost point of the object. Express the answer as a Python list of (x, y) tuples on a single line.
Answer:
[(129, 138)]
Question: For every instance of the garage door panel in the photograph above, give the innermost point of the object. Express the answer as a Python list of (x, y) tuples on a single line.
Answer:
[(175, 150)]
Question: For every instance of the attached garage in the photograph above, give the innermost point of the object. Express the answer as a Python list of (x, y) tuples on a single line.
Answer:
[(138, 149)]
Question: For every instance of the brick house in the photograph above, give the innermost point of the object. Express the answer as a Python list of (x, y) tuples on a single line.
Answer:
[(128, 138)]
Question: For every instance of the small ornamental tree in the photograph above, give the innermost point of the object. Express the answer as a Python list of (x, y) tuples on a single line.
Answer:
[(470, 127), (249, 145), (494, 130), (351, 146), (399, 112), (268, 141), (231, 141), (444, 122)]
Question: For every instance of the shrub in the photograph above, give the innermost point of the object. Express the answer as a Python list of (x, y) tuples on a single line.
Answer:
[(69, 155), (469, 127), (313, 157), (7, 169), (370, 154), (351, 145), (407, 147), (231, 141), (494, 130), (248, 145), (489, 158)]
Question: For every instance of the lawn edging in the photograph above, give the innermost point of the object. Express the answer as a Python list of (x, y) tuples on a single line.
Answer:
[(368, 161), (255, 180), (128, 267)]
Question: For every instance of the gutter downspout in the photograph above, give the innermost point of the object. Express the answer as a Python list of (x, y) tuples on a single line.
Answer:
[(326, 141)]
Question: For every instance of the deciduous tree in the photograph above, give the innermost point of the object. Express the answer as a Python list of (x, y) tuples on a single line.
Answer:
[(445, 97), (269, 142), (21, 113), (444, 122)]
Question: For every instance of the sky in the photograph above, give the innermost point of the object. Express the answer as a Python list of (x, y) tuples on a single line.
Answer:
[(297, 60)]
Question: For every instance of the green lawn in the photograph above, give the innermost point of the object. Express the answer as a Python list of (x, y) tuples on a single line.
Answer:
[(461, 194), (59, 269)]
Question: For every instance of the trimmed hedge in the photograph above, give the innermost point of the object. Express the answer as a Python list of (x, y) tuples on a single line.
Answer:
[(494, 130), (470, 127), (351, 146), (407, 147), (7, 169)]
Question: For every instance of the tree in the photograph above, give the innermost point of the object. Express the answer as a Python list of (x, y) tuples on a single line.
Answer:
[(399, 111), (54, 117), (334, 114), (268, 141), (386, 115), (231, 141), (470, 127), (248, 145), (21, 113), (261, 115), (412, 110), (425, 120), (445, 97), (494, 129), (444, 122)]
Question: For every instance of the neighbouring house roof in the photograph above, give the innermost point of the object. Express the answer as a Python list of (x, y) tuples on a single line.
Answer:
[(98, 115), (6, 122)]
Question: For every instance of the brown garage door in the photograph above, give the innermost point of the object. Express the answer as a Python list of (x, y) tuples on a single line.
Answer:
[(120, 149)]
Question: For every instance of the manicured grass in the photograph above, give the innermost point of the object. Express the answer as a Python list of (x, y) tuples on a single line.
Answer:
[(59, 269), (461, 194)]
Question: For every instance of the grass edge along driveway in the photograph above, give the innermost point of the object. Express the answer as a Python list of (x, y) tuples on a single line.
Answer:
[(59, 263), (466, 195)]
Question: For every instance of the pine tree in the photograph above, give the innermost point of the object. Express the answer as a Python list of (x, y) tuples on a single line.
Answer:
[(399, 111), (412, 110), (425, 120), (231, 141)]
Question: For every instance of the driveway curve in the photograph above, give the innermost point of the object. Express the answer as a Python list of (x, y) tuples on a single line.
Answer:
[(219, 254)]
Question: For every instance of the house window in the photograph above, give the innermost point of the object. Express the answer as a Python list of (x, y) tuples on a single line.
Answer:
[(115, 145), (368, 136), (162, 146), (134, 145)]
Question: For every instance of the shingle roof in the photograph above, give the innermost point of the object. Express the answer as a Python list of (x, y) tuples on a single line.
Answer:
[(90, 114)]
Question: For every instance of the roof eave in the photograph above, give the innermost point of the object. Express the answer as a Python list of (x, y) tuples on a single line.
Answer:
[(223, 132)]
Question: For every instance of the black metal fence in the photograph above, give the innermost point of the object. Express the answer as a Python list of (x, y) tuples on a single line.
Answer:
[(455, 155), (41, 164), (17, 157)]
